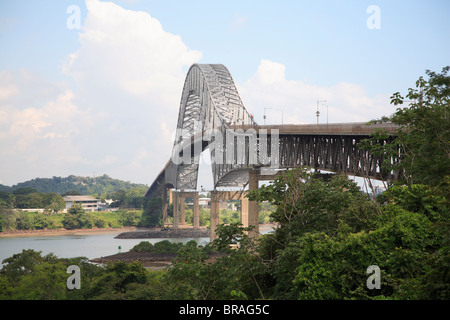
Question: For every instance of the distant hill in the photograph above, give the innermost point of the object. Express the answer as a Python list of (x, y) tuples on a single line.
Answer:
[(83, 185)]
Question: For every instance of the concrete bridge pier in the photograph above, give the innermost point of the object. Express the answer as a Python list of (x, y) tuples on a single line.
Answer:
[(176, 219), (196, 211), (182, 203), (249, 209), (214, 214), (244, 211), (253, 212), (166, 192), (179, 217)]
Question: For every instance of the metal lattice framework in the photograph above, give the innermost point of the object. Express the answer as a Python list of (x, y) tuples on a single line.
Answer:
[(209, 102)]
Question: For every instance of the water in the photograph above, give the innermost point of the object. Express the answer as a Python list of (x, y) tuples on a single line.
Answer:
[(69, 246), (90, 246)]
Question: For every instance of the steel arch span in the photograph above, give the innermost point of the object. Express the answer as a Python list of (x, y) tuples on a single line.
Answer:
[(209, 103)]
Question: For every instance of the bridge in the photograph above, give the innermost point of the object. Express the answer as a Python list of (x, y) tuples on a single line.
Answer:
[(212, 116)]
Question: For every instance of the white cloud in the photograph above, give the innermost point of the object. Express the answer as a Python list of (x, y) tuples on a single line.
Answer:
[(57, 119), (130, 51), (132, 71), (33, 137), (8, 91), (269, 88)]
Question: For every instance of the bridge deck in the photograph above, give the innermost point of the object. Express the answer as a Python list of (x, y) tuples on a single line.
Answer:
[(353, 128)]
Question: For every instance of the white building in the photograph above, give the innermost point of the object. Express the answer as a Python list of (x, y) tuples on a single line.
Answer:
[(204, 202), (89, 203)]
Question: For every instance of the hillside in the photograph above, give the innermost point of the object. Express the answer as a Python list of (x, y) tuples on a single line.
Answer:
[(84, 185)]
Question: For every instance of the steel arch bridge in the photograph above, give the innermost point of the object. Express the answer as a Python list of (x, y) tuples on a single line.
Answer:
[(213, 115), (210, 103)]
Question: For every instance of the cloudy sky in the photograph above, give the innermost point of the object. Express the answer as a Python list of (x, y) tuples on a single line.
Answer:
[(93, 87)]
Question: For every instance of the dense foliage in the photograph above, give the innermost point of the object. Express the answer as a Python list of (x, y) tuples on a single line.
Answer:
[(82, 185), (422, 141), (17, 220), (161, 247), (31, 199)]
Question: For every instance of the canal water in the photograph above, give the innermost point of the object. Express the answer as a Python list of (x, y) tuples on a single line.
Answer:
[(89, 246), (69, 246)]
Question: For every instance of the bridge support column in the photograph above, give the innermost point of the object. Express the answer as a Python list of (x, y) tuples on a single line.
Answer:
[(165, 190), (244, 211), (214, 219), (253, 214), (196, 211), (170, 196), (182, 210), (176, 224)]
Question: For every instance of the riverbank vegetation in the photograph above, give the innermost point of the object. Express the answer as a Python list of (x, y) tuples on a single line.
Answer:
[(13, 220), (25, 207)]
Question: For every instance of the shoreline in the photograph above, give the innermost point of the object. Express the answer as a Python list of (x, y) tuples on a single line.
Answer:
[(61, 232)]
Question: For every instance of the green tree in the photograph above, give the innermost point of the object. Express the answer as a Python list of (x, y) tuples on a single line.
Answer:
[(305, 204), (7, 200), (41, 221), (119, 198), (53, 202), (77, 218), (8, 219), (424, 133), (20, 264), (29, 275), (130, 218), (152, 214), (116, 280), (24, 221), (46, 282), (24, 190)]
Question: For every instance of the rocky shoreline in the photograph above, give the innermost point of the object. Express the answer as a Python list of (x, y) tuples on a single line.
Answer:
[(149, 260), (165, 233)]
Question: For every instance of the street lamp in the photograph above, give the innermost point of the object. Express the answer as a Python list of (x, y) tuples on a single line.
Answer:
[(317, 112)]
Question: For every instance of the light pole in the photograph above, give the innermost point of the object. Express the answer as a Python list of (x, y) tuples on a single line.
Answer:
[(318, 112)]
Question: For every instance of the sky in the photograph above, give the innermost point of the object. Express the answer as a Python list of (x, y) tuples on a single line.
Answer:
[(93, 87)]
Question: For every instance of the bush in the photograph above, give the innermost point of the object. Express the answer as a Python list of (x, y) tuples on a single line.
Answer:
[(24, 221), (130, 218), (77, 218), (143, 246), (161, 247), (99, 223)]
